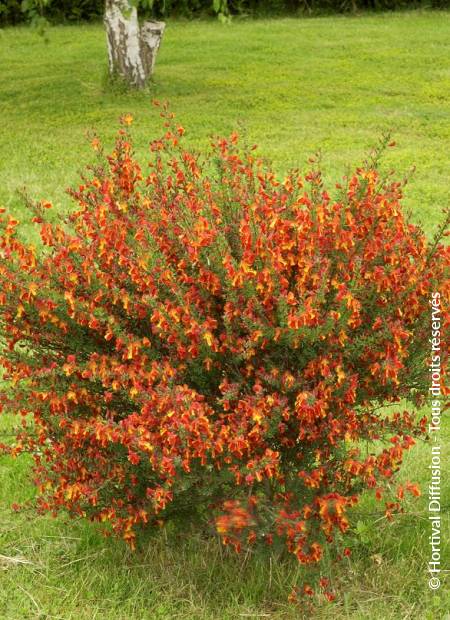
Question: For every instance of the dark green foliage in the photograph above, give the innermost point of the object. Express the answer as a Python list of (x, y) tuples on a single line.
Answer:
[(15, 11)]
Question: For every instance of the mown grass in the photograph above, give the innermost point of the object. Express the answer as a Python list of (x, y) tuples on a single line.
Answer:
[(56, 568), (296, 86)]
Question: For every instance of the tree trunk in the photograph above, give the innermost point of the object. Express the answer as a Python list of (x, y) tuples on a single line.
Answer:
[(132, 48)]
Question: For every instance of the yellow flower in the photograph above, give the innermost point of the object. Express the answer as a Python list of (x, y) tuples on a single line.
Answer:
[(208, 337)]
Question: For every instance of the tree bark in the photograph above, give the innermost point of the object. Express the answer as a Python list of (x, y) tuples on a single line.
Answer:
[(132, 48)]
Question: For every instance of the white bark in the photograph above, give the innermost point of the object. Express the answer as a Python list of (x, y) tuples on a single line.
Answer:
[(132, 48)]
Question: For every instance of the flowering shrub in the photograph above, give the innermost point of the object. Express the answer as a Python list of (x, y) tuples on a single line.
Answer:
[(207, 339)]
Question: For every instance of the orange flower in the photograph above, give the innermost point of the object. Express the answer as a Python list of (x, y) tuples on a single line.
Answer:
[(127, 119)]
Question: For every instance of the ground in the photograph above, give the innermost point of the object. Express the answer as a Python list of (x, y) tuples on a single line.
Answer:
[(293, 86)]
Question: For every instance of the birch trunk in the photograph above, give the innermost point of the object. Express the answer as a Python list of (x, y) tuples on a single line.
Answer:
[(132, 48)]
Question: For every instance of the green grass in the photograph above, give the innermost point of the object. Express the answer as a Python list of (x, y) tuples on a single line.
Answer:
[(296, 86), (56, 568)]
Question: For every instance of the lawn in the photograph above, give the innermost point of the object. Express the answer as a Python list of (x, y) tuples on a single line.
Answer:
[(294, 87)]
